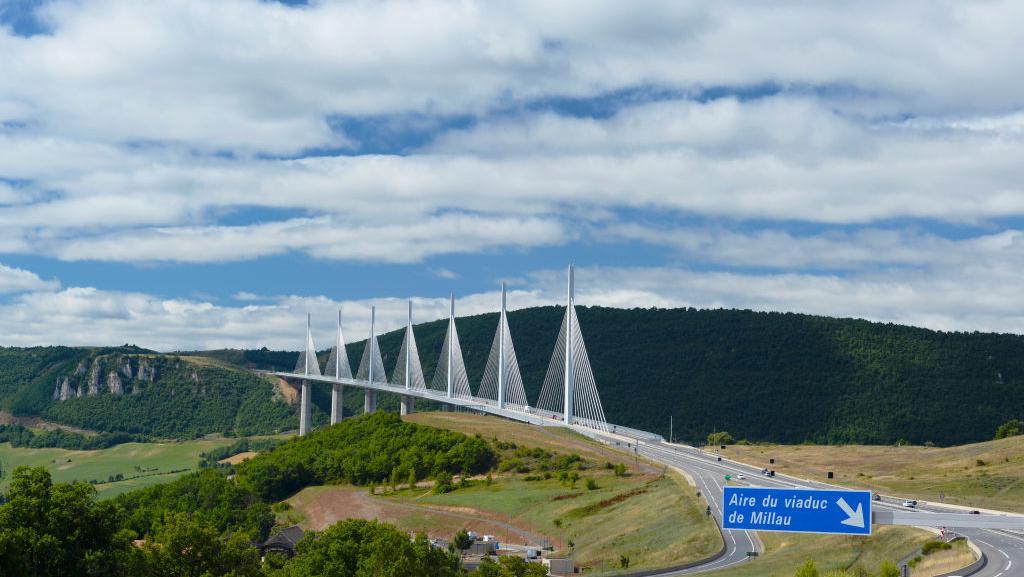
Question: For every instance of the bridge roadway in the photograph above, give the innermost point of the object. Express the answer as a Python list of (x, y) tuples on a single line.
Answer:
[(1003, 549)]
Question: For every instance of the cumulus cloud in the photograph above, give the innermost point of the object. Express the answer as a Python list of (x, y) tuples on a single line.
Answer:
[(89, 316), (14, 280), (835, 250), (132, 132)]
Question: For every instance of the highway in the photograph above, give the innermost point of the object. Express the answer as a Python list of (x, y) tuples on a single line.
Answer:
[(1003, 549)]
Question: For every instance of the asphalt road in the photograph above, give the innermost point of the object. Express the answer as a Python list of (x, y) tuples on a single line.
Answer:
[(1004, 549)]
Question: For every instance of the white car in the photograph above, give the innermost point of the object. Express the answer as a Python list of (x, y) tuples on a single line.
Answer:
[(909, 503), (741, 476)]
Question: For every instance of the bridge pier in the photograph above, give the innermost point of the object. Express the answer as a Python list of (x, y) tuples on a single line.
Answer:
[(305, 410), (407, 404), (337, 395), (370, 401)]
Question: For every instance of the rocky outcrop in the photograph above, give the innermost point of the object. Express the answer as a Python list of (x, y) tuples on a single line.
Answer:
[(62, 391), (147, 372), (114, 384), (80, 369), (94, 378), (126, 368)]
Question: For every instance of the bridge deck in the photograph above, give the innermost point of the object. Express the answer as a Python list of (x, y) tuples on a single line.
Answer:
[(515, 412)]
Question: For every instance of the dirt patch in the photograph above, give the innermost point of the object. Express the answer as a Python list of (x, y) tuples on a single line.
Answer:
[(236, 459), (324, 506), (288, 392), (37, 423), (566, 496), (605, 503)]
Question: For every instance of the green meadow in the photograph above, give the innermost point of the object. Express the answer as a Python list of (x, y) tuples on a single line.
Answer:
[(139, 464)]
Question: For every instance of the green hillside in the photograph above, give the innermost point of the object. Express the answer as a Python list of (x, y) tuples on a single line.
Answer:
[(778, 377), (775, 377), (131, 390)]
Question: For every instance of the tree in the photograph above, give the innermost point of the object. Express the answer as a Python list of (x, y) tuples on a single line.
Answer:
[(462, 541), (1010, 428), (58, 530), (412, 478), (360, 548), (396, 476), (184, 546), (509, 566), (623, 561), (720, 438), (574, 477)]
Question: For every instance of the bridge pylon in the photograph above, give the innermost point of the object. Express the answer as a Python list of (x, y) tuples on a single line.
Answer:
[(338, 366), (307, 365), (502, 383), (371, 367), (450, 373), (408, 371), (569, 388)]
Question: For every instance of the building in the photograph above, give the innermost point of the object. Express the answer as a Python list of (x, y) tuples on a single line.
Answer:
[(283, 542)]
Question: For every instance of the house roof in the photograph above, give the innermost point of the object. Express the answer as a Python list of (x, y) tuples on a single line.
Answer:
[(286, 538)]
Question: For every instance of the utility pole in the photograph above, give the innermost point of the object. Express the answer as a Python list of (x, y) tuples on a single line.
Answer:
[(670, 428)]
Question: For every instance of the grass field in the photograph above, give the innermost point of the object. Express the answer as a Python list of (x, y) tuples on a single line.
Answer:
[(146, 463), (985, 475), (942, 562)]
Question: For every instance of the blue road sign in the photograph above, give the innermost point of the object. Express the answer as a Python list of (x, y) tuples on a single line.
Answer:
[(797, 510)]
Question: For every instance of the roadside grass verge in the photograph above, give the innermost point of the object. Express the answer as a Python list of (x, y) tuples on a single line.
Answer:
[(786, 552), (985, 475)]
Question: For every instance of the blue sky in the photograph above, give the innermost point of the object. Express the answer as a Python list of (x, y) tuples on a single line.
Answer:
[(189, 175)]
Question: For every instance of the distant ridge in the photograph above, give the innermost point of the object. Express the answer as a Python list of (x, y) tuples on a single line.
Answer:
[(774, 377)]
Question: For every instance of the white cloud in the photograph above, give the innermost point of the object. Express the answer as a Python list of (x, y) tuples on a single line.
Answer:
[(14, 280), (445, 273), (931, 298), (860, 249), (249, 75), (319, 237), (113, 119)]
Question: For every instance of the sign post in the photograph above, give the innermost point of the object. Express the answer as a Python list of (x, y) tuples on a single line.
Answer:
[(797, 510)]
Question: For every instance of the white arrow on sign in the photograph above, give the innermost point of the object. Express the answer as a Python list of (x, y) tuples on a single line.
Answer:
[(854, 518)]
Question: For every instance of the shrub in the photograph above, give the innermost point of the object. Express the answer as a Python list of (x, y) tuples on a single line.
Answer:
[(1010, 428), (591, 485), (720, 438), (933, 546)]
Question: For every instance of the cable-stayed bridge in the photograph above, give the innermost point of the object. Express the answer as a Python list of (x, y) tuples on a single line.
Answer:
[(569, 395)]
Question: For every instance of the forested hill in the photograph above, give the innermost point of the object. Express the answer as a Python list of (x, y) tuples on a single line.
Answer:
[(128, 389), (761, 376)]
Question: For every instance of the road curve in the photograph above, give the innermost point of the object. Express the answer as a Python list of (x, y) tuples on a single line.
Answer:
[(1003, 549)]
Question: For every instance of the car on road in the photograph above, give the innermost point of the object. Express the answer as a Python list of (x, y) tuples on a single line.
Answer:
[(741, 476), (975, 512), (909, 503), (876, 497)]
